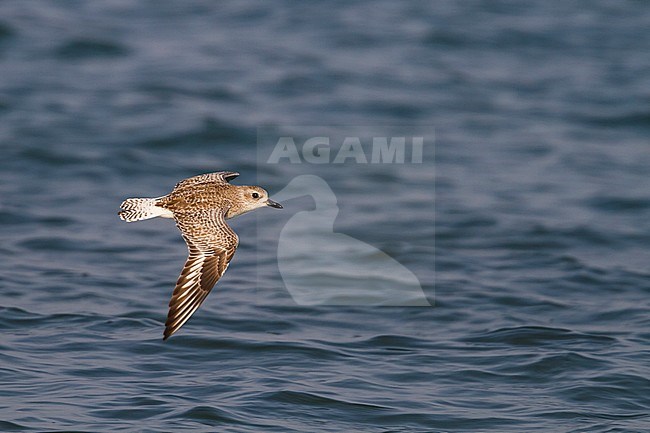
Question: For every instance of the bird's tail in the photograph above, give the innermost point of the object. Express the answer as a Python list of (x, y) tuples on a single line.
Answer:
[(137, 209)]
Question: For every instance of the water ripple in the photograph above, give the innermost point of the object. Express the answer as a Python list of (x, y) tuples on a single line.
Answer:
[(527, 221)]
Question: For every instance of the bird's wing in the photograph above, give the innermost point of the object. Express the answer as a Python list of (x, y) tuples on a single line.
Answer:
[(218, 177), (211, 244)]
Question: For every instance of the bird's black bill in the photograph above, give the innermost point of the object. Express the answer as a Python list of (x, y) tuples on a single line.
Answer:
[(274, 204)]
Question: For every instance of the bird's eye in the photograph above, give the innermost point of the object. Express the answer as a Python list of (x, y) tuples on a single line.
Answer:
[(256, 195)]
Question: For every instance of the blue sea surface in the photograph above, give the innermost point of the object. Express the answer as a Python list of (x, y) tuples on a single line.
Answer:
[(527, 222)]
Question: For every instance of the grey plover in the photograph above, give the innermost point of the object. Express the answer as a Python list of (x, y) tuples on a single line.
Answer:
[(200, 205)]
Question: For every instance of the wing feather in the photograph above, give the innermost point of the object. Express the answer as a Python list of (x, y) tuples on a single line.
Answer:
[(218, 177), (211, 244)]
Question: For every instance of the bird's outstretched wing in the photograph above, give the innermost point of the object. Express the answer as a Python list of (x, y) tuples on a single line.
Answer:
[(211, 244), (218, 177)]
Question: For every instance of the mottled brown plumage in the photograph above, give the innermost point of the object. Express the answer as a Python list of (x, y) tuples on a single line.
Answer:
[(200, 205)]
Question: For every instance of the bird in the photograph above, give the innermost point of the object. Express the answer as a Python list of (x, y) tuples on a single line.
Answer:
[(200, 205), (320, 266)]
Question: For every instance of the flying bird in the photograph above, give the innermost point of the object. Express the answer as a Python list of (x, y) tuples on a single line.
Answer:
[(200, 205)]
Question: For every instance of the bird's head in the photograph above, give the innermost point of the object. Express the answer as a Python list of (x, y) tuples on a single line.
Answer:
[(249, 198)]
